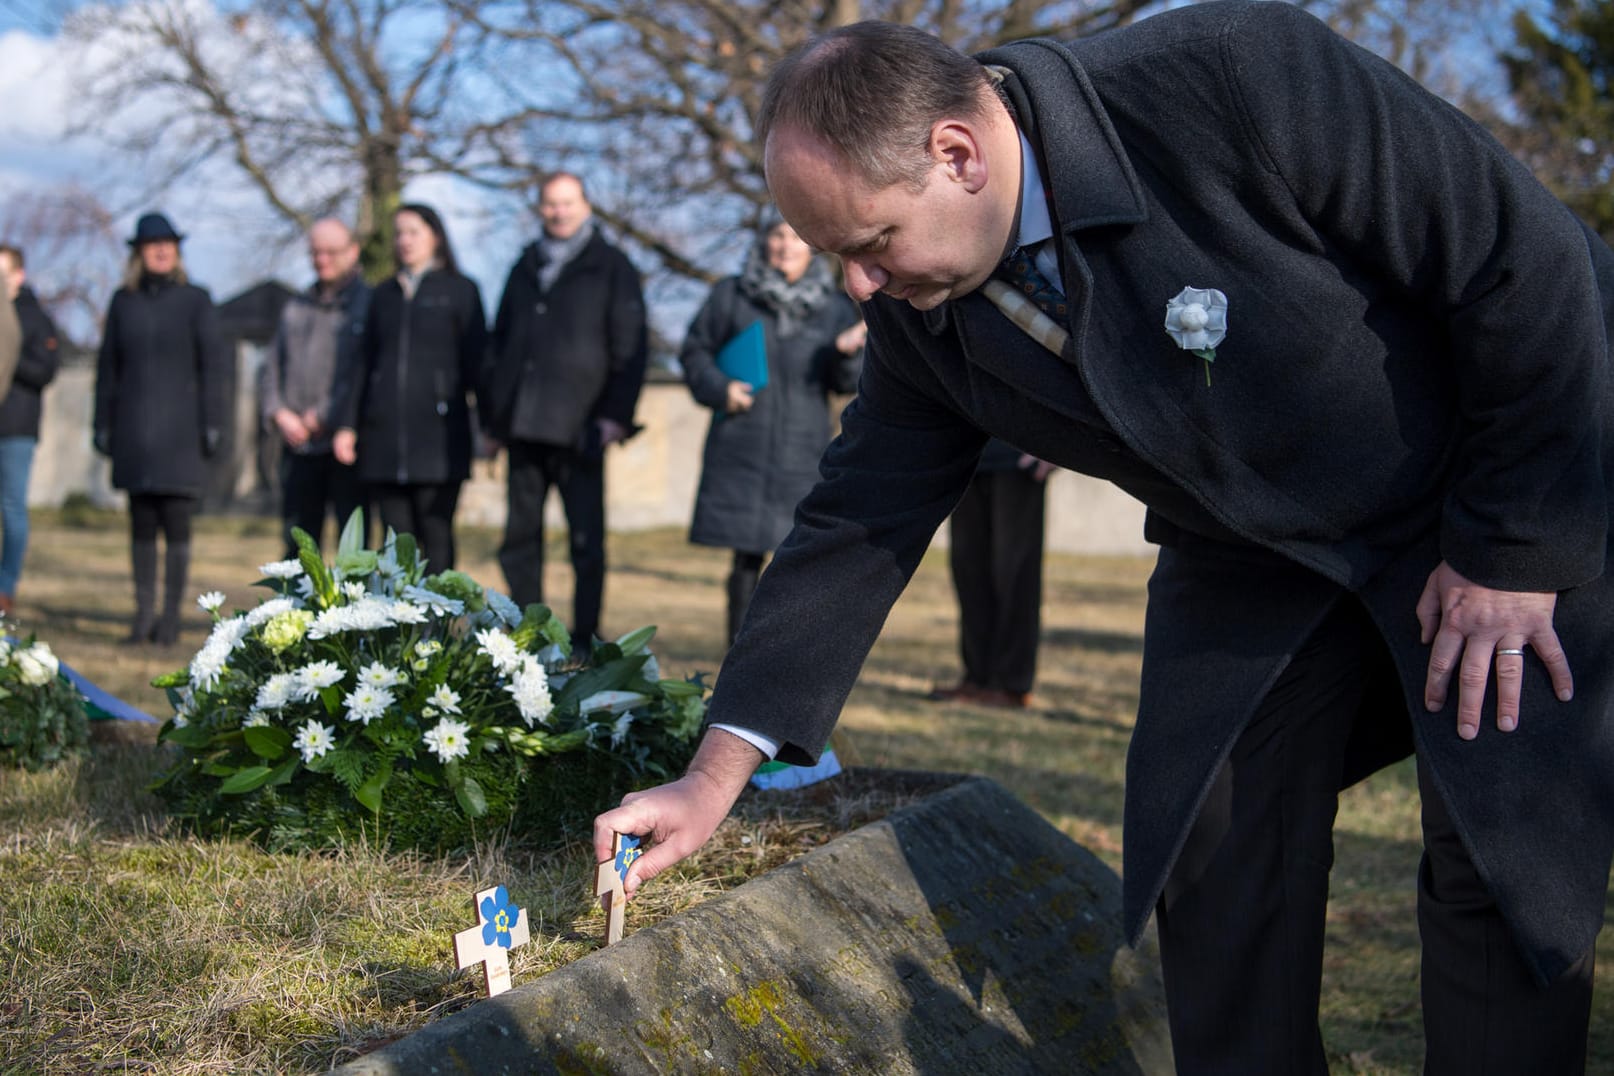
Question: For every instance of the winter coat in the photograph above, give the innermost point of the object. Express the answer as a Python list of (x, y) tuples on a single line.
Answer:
[(1416, 368), (309, 365), (417, 365), (759, 463), (561, 358), (36, 368), (162, 384)]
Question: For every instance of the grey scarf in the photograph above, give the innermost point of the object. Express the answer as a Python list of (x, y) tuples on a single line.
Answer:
[(792, 303), (555, 253)]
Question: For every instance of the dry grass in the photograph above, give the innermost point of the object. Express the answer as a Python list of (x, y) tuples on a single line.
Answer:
[(128, 946)]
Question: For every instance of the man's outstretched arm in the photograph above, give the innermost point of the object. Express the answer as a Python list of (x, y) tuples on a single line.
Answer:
[(681, 816)]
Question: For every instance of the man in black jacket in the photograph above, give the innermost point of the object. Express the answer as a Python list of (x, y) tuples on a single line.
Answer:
[(1373, 432), (566, 364), (19, 417)]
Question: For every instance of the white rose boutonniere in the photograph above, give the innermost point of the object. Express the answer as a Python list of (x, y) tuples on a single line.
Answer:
[(1196, 318)]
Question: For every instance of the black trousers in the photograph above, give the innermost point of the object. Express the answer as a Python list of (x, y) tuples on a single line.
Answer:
[(310, 484), (425, 510), (995, 538), (1242, 917), (534, 468)]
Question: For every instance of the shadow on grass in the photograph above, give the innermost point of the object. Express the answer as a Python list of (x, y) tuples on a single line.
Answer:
[(111, 788), (1102, 642)]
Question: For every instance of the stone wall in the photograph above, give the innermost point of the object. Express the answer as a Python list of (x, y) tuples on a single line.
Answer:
[(650, 481)]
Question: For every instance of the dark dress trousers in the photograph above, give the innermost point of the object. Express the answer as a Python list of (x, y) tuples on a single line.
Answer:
[(1416, 369)]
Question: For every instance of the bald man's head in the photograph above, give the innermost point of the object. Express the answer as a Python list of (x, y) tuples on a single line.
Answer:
[(333, 250)]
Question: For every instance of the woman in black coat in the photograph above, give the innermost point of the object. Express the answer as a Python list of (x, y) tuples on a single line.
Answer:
[(161, 399), (406, 419), (763, 445)]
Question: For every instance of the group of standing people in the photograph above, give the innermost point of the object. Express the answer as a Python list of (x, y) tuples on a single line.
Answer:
[(378, 395)]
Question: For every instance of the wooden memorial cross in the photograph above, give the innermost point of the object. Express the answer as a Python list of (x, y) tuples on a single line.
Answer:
[(500, 927), (608, 879)]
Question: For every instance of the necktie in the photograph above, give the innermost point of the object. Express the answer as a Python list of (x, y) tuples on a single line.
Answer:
[(1026, 298), (1020, 270)]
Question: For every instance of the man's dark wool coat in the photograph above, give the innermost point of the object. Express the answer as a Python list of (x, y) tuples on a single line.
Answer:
[(758, 464), (162, 387), (416, 365), (1416, 368), (559, 359)]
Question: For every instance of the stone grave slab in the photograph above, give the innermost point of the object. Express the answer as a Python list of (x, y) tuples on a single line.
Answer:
[(963, 934)]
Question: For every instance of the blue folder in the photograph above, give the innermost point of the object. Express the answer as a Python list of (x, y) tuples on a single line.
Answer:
[(745, 358)]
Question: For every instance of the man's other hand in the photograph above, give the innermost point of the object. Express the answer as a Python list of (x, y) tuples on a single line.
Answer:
[(1471, 626), (682, 816), (293, 430)]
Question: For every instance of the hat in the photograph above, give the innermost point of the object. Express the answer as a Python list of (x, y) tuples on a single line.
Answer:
[(153, 228)]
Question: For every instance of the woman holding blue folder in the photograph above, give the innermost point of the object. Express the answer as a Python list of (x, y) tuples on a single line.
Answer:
[(764, 353)]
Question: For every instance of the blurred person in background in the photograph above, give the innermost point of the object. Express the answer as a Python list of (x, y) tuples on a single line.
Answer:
[(763, 445), (19, 416), (406, 419), (161, 401), (564, 372), (317, 336)]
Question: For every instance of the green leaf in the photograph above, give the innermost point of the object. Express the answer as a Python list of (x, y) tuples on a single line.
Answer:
[(246, 780), (610, 677), (369, 793), (357, 564), (267, 742), (635, 641), (473, 801), (331, 697), (352, 539), (192, 736), (680, 689), (284, 772), (408, 556), (177, 678)]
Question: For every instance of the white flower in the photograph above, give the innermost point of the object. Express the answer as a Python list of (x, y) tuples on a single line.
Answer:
[(366, 614), (5, 646), (314, 740), (651, 669), (500, 649), (276, 691), (530, 688), (437, 603), (403, 612), (305, 588), (316, 675), (353, 590), (255, 720), (36, 666), (211, 601), (209, 663), (267, 611), (282, 569), (365, 703), (1197, 318), (505, 609), (449, 739), (619, 731), (181, 721), (376, 674), (445, 699)]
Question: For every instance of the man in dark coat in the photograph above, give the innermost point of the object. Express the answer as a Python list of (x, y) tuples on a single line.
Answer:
[(566, 364), (318, 333), (19, 416), (1374, 434)]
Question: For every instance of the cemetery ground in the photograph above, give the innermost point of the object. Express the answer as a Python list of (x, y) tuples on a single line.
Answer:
[(127, 945)]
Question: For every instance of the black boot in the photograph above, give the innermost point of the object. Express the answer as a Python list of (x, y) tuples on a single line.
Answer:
[(143, 557), (742, 582), (176, 566)]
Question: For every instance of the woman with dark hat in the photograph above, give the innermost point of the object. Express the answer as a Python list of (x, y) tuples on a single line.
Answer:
[(161, 398), (763, 446), (405, 419)]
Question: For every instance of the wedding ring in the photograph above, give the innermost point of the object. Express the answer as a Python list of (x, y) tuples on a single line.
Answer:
[(1510, 652)]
